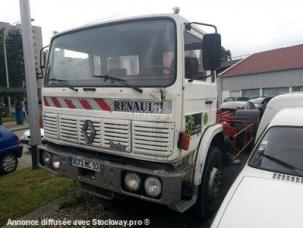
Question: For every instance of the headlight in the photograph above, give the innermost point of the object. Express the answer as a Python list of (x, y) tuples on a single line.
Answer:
[(56, 162), (153, 186), (46, 157), (132, 182)]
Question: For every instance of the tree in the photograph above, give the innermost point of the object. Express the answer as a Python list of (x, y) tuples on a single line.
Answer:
[(2, 67), (225, 55), (15, 61)]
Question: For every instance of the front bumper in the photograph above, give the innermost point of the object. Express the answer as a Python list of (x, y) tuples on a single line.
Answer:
[(111, 176)]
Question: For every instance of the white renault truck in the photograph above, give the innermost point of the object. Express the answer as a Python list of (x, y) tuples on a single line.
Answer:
[(129, 107)]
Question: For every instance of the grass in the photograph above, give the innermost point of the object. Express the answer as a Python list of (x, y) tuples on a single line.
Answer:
[(72, 201), (8, 119), (25, 190)]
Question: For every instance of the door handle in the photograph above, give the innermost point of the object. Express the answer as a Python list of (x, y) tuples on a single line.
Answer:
[(208, 102)]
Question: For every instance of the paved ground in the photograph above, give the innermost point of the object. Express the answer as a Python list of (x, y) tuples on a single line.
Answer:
[(14, 127), (25, 160)]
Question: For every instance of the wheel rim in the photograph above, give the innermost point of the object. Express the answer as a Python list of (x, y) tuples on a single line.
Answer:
[(9, 163), (214, 187)]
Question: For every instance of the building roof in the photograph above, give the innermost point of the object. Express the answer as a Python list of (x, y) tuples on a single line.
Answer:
[(268, 61), (227, 64)]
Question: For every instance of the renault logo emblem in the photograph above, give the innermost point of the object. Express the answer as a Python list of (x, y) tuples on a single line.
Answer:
[(88, 131)]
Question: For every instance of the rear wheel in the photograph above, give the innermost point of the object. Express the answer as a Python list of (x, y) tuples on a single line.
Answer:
[(209, 189), (8, 164)]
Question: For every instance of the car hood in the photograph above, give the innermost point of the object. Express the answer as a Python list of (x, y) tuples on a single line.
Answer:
[(263, 202)]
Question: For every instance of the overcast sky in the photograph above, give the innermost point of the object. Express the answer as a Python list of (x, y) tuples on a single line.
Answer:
[(246, 26)]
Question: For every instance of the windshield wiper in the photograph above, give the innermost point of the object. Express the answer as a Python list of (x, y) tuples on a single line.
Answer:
[(62, 80), (122, 81), (280, 162)]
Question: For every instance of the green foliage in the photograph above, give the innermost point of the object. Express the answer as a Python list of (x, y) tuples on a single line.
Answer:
[(190, 124), (225, 55), (15, 62)]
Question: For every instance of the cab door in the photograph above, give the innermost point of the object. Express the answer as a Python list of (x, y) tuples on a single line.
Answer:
[(198, 89)]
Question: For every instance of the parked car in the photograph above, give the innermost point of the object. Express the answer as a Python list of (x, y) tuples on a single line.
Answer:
[(25, 138), (261, 103), (236, 105), (268, 191), (235, 99), (10, 151)]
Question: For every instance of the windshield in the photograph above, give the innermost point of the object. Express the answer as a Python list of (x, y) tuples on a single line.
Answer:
[(280, 150), (143, 53), (258, 100)]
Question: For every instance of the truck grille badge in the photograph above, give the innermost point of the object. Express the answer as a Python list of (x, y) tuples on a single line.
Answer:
[(88, 132)]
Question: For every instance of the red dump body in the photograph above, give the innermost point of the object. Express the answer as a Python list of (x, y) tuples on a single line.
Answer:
[(238, 130)]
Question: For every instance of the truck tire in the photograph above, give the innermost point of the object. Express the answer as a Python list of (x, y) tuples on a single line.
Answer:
[(8, 164), (209, 190)]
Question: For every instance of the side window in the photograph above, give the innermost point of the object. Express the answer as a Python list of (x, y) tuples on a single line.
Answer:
[(193, 57)]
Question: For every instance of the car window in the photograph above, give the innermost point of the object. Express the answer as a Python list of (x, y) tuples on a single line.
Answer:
[(251, 105), (266, 100), (283, 144)]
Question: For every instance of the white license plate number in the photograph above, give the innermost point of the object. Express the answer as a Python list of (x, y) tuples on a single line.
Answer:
[(91, 165)]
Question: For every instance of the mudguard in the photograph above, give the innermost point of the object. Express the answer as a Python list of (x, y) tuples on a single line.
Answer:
[(206, 140)]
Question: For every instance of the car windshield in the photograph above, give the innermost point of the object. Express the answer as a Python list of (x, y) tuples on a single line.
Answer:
[(280, 150), (258, 100), (143, 53)]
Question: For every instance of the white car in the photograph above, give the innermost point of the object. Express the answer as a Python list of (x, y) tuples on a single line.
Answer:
[(269, 190), (25, 138)]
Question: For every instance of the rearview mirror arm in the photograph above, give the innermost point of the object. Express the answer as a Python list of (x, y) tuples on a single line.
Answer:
[(188, 25)]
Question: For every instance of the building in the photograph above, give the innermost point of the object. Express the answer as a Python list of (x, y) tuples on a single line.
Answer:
[(4, 25), (224, 65), (37, 40), (267, 73)]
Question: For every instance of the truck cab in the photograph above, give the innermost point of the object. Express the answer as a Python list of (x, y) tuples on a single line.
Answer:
[(129, 107)]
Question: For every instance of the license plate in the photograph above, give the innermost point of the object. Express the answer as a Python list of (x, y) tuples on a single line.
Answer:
[(91, 165)]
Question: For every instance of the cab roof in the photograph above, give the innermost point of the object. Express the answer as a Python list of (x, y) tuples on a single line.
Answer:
[(287, 101), (288, 117), (176, 17)]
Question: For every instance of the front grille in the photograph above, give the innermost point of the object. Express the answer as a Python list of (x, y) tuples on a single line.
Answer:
[(138, 137), (153, 138), (116, 132), (50, 124), (68, 128)]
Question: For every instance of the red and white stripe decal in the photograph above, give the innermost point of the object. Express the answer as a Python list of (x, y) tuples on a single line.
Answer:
[(78, 103), (104, 106), (69, 103)]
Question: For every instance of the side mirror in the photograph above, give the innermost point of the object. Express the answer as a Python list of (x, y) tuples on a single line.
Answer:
[(43, 56), (211, 51)]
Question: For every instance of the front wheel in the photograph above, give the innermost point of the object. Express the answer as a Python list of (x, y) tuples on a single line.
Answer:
[(8, 164), (209, 189)]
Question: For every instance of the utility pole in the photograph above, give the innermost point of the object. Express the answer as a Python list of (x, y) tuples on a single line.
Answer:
[(31, 82), (6, 71)]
